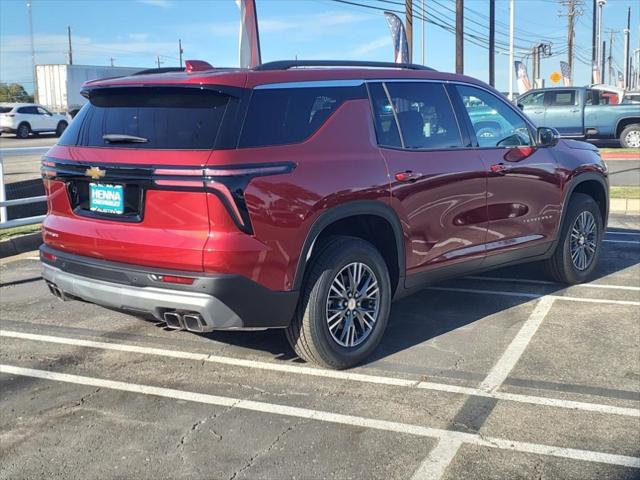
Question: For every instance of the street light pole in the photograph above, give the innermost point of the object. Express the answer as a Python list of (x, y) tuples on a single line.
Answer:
[(33, 54), (599, 55)]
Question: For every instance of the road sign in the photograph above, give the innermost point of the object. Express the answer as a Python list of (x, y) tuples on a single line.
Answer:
[(555, 77)]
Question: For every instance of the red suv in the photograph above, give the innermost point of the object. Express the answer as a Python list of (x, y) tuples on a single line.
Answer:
[(307, 196)]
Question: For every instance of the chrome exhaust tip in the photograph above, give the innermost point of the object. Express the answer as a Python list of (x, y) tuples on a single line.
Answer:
[(173, 320), (195, 323), (59, 294)]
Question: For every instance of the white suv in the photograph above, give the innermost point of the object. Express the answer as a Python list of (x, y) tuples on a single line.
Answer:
[(25, 118)]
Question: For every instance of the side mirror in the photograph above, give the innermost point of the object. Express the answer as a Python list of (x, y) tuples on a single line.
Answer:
[(547, 137), (521, 106)]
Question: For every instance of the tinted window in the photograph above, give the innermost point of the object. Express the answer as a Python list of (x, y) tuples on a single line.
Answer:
[(168, 117), (28, 110), (425, 115), (561, 98), (289, 115), (495, 123), (533, 99), (5, 109), (386, 126), (43, 111), (593, 97)]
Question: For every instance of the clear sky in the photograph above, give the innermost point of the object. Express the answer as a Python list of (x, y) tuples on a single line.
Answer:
[(134, 32)]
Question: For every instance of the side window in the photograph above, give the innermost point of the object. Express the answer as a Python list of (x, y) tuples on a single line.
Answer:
[(593, 97), (386, 126), (535, 99), (27, 110), (561, 98), (496, 124), (425, 115), (42, 111), (281, 116)]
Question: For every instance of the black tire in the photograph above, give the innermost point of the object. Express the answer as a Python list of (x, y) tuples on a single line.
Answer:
[(23, 130), (630, 136), (560, 266), (309, 333), (61, 128)]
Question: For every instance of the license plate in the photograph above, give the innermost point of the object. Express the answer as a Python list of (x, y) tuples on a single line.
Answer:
[(106, 198)]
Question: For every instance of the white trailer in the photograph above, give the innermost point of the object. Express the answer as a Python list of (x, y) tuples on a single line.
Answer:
[(58, 86)]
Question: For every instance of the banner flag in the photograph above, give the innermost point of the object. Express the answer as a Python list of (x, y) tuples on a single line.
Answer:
[(565, 70), (524, 85), (399, 38), (249, 44)]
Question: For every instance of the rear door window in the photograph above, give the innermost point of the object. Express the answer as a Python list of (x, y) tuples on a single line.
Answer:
[(425, 115), (166, 117), (280, 116)]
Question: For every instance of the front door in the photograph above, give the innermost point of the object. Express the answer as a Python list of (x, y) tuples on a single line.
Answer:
[(438, 185), (533, 106), (524, 192)]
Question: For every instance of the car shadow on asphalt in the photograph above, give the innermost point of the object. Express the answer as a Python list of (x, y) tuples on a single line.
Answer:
[(428, 314)]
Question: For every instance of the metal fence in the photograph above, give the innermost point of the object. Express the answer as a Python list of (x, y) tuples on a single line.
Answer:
[(4, 203)]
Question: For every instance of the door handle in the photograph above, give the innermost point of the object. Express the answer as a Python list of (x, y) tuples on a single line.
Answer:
[(574, 110), (499, 168), (407, 176), (539, 112)]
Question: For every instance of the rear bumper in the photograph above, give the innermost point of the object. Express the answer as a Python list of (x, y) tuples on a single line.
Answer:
[(223, 301)]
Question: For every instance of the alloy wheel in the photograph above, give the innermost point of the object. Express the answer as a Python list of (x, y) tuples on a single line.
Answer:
[(353, 304), (632, 139), (583, 241)]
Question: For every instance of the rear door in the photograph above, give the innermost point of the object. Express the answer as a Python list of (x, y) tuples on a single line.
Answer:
[(125, 181), (563, 112), (438, 185), (30, 115), (524, 192)]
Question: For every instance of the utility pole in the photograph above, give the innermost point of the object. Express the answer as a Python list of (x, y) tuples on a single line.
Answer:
[(70, 54), (594, 40), (603, 61), (573, 11), (111, 61), (460, 36), (424, 14), (409, 26), (158, 60), (33, 54), (536, 65), (512, 19), (627, 32), (612, 38), (492, 43), (180, 51)]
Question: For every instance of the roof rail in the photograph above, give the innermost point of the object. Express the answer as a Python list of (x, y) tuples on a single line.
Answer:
[(287, 64), (150, 71)]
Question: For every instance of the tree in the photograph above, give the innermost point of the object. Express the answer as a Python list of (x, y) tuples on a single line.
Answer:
[(14, 92)]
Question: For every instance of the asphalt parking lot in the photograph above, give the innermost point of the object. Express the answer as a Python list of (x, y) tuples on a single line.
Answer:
[(499, 376)]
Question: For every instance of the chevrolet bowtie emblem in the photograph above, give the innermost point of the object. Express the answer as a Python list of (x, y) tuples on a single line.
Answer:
[(95, 173)]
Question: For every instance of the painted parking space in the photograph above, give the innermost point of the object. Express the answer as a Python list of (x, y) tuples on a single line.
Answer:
[(502, 375)]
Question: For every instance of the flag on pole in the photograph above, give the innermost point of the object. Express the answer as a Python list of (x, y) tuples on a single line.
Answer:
[(565, 70), (524, 85), (249, 44), (399, 38), (596, 74)]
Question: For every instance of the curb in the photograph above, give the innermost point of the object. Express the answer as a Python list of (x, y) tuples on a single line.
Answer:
[(20, 244), (620, 156), (624, 205)]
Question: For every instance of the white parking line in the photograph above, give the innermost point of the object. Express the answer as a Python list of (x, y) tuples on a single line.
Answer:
[(439, 458), (534, 295), (334, 374), (547, 282), (518, 345), (323, 416), (633, 242)]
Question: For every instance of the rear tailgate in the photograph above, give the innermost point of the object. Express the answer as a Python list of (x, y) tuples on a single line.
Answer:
[(138, 196)]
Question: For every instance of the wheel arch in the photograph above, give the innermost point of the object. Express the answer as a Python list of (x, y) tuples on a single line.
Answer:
[(358, 218), (624, 123), (591, 184)]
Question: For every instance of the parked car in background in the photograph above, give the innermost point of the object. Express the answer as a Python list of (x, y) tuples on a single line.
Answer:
[(24, 119), (307, 199), (631, 98), (580, 113)]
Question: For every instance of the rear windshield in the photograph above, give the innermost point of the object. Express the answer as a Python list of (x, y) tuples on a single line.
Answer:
[(5, 109), (166, 117)]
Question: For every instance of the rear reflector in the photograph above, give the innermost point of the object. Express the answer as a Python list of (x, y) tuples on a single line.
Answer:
[(174, 279), (49, 256)]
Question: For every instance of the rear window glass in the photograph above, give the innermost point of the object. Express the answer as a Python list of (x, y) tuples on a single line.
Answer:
[(5, 109), (167, 117), (290, 115)]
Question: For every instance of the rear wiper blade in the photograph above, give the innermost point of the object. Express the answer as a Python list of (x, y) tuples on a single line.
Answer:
[(122, 138)]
